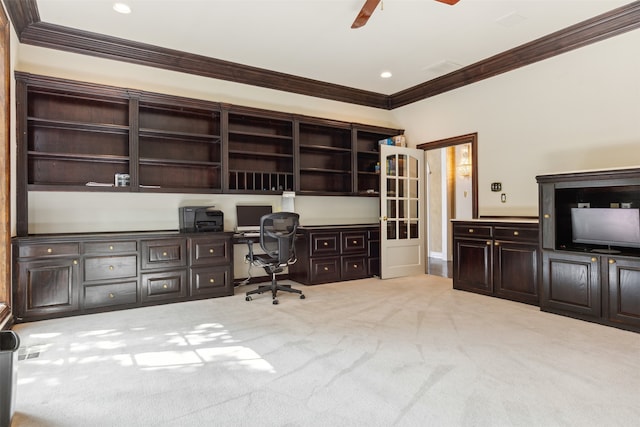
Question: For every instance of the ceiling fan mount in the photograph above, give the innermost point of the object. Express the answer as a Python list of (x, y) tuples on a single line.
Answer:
[(370, 5)]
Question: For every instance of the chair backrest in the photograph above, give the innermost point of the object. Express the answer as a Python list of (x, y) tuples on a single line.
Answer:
[(278, 235)]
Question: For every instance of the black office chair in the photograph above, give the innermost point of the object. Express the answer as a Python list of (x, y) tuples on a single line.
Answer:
[(277, 240)]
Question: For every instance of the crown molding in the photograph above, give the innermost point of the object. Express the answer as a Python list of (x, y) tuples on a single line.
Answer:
[(31, 30)]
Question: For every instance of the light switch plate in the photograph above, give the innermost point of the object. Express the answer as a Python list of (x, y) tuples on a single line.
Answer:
[(496, 186)]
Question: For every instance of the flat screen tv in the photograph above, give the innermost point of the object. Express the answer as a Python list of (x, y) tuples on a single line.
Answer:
[(618, 227), (248, 216)]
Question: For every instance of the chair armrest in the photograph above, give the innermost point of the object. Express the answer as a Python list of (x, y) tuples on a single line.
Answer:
[(249, 256)]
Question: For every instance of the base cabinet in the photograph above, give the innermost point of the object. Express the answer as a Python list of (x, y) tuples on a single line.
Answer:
[(336, 253), (66, 275), (497, 259), (624, 292)]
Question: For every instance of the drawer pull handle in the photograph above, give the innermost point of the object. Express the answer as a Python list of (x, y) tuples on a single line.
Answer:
[(211, 251), (326, 243), (355, 265), (112, 296), (471, 230), (165, 286), (111, 267), (594, 259), (164, 254), (49, 250), (326, 269), (516, 233), (212, 280), (110, 247), (612, 261), (355, 242)]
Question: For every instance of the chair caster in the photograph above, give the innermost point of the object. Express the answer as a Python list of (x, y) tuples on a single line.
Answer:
[(302, 296), (247, 298), (275, 301)]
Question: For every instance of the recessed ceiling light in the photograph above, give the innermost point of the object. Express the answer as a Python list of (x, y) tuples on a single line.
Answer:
[(386, 74), (121, 8)]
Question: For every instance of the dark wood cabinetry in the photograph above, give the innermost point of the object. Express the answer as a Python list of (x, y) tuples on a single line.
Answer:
[(585, 280), (336, 253), (497, 258), (63, 275), (75, 136)]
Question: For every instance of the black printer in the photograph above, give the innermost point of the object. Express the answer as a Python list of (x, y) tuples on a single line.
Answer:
[(194, 219)]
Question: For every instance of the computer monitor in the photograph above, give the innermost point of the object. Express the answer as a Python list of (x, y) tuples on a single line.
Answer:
[(248, 216)]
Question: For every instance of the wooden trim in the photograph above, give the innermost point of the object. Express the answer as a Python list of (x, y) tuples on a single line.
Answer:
[(5, 167), (470, 138), (30, 30)]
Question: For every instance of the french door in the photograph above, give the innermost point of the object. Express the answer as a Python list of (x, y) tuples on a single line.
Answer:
[(401, 212)]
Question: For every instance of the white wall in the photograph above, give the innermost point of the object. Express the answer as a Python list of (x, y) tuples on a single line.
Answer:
[(579, 110)]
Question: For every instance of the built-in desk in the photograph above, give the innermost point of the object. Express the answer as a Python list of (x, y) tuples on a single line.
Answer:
[(334, 253)]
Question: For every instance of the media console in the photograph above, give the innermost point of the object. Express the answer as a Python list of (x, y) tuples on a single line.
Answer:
[(593, 276)]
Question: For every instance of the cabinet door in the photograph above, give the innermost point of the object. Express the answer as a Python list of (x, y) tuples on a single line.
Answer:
[(624, 291), (547, 221), (47, 287), (472, 265), (571, 284), (516, 271)]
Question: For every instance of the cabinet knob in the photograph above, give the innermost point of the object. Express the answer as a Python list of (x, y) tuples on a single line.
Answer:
[(355, 242), (326, 243), (212, 280), (164, 254), (211, 251), (326, 269), (594, 259), (612, 261), (355, 265), (546, 216), (516, 233), (165, 286), (110, 247), (488, 243), (496, 243), (49, 250), (112, 296), (75, 262), (471, 230), (111, 267)]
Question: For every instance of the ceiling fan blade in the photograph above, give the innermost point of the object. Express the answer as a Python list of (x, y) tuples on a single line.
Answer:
[(449, 2), (365, 13)]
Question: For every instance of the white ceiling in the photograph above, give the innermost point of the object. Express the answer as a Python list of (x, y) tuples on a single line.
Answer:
[(313, 38)]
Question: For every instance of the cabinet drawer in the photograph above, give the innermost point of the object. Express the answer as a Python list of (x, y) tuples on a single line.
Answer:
[(325, 270), (110, 247), (212, 281), (472, 230), (324, 244), (210, 251), (164, 253), (516, 234), (170, 284), (110, 267), (354, 267), (49, 249), (110, 294), (354, 242)]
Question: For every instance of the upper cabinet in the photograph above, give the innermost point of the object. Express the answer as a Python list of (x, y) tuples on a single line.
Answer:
[(179, 148), (72, 138), (260, 152), (325, 156), (75, 136)]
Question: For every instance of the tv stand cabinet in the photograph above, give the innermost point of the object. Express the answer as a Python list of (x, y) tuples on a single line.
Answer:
[(577, 280)]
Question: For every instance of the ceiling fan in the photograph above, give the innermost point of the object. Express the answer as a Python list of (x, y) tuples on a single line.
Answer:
[(370, 5)]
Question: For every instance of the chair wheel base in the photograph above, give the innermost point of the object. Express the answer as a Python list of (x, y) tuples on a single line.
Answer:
[(247, 298), (275, 301), (302, 296)]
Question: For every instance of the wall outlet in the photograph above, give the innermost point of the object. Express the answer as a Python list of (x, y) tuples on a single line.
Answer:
[(625, 205)]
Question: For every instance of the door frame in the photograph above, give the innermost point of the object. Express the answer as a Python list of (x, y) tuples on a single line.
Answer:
[(472, 139)]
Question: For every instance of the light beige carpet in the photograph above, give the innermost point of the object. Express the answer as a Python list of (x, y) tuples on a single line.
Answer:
[(401, 352)]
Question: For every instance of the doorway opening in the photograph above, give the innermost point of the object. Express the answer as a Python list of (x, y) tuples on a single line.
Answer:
[(452, 188)]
